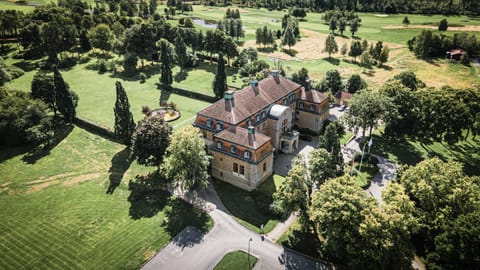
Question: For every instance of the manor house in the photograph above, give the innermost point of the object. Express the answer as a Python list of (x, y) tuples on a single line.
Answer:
[(244, 129)]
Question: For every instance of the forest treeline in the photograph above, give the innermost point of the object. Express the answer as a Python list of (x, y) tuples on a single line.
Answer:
[(466, 7)]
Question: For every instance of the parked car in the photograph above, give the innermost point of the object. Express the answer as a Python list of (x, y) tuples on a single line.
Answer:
[(331, 105), (342, 108)]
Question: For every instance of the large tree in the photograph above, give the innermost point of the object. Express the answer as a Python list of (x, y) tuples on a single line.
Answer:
[(220, 80), (181, 51), (294, 193), (355, 49), (367, 107), (101, 37), (333, 81), (186, 161), (167, 57), (65, 99), (124, 124), (321, 166), (448, 211), (359, 233), (289, 37), (330, 141), (43, 87), (150, 141), (330, 45)]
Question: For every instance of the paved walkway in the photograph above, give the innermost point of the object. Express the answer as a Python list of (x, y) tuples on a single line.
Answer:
[(191, 249), (387, 169), (281, 227)]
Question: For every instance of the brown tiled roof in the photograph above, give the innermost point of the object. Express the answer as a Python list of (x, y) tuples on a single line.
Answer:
[(240, 136), (343, 95), (312, 96), (247, 102)]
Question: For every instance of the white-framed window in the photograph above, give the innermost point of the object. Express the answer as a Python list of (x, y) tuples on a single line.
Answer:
[(257, 117), (246, 154), (209, 122), (219, 145), (284, 101), (301, 105), (312, 108), (249, 122), (219, 126), (233, 149), (264, 115)]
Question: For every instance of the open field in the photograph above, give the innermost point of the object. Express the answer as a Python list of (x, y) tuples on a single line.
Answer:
[(251, 209), (387, 28), (56, 213)]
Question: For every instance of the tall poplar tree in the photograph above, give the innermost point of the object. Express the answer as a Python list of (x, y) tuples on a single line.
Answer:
[(220, 81), (65, 99), (167, 56), (124, 124), (331, 45)]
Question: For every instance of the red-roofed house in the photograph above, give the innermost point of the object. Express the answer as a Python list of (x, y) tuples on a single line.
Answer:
[(246, 127), (342, 98)]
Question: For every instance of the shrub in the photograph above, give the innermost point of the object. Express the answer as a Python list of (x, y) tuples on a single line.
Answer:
[(142, 76), (367, 158), (102, 66)]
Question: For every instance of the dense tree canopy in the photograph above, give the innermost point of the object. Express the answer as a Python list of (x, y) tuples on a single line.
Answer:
[(186, 161), (448, 210), (150, 141), (358, 232)]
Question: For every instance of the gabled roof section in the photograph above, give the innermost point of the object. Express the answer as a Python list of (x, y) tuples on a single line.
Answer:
[(240, 136), (343, 95), (249, 101), (312, 96)]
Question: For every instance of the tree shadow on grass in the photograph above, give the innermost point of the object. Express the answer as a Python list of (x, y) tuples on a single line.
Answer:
[(27, 65), (302, 241), (180, 215), (120, 163), (180, 76), (164, 94), (290, 52), (146, 198), (61, 131), (332, 60), (400, 148)]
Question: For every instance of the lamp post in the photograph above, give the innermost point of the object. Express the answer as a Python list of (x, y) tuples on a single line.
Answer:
[(248, 254)]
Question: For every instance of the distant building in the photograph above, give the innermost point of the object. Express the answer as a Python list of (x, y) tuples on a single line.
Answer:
[(456, 54), (342, 98), (246, 127)]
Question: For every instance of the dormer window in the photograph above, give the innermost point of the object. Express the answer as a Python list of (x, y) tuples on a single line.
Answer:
[(233, 149), (301, 105), (219, 145), (246, 154), (284, 101), (264, 115), (219, 126), (257, 117), (312, 108), (209, 123), (249, 122)]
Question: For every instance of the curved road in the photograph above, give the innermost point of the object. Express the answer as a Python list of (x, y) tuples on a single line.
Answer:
[(191, 249)]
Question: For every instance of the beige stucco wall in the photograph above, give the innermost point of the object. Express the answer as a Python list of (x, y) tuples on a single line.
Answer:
[(222, 169), (310, 120)]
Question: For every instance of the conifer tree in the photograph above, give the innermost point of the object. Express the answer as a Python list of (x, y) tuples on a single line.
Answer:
[(124, 124), (220, 81), (65, 99), (181, 51)]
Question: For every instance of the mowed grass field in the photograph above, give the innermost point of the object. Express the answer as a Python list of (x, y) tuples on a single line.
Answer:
[(55, 212), (375, 27)]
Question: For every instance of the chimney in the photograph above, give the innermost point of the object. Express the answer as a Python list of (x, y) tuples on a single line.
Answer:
[(229, 103), (275, 74), (251, 135), (308, 84), (254, 85)]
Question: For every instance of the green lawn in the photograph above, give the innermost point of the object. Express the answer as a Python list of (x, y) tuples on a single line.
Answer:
[(346, 137), (409, 151), (97, 95), (237, 260), (251, 209), (56, 213), (297, 239)]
